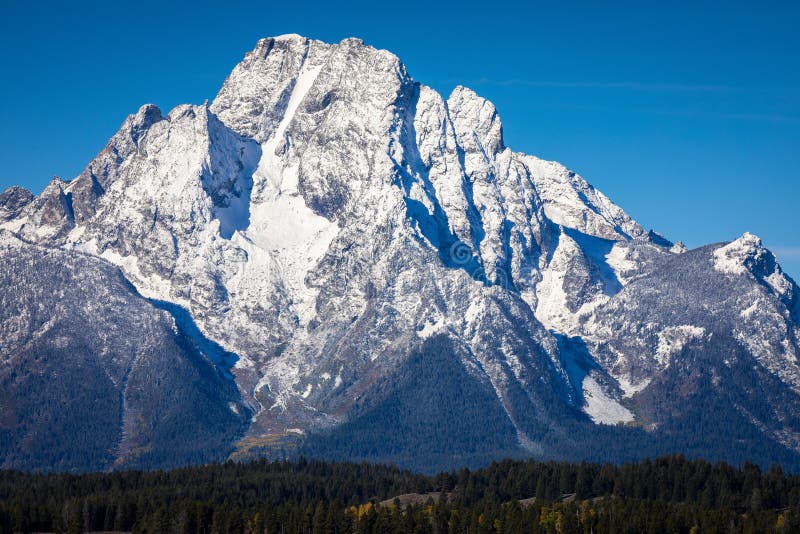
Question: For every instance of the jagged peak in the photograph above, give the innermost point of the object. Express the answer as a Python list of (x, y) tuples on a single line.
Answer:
[(745, 254), (15, 197), (678, 248), (15, 190), (253, 99), (266, 45), (352, 42), (747, 245), (145, 116), (187, 110), (201, 113), (476, 121), (55, 185), (748, 239), (295, 43), (290, 37), (658, 239), (137, 124), (464, 92)]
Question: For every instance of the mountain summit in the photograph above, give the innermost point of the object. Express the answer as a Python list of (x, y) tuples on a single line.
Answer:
[(333, 259)]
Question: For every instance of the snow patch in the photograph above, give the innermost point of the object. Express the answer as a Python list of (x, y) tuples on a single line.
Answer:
[(551, 307), (750, 310), (629, 387), (151, 287), (14, 225), (244, 363), (431, 327), (288, 37), (269, 166), (476, 309), (618, 260), (281, 224), (672, 339), (602, 408)]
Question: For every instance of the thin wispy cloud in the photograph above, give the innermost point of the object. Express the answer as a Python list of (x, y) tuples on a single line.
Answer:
[(629, 86), (654, 88), (757, 117), (691, 114)]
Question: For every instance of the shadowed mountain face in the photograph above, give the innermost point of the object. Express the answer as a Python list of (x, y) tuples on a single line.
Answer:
[(344, 263)]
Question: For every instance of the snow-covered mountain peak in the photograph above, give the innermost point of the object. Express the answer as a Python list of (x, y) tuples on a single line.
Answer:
[(354, 42), (476, 121), (289, 37), (748, 239), (747, 255), (13, 200), (145, 116), (306, 139), (254, 98), (326, 218), (678, 248), (741, 255), (138, 123)]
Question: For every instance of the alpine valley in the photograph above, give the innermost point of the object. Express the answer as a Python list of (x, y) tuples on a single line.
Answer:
[(331, 259)]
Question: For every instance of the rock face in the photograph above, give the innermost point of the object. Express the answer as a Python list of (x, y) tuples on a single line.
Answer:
[(357, 267)]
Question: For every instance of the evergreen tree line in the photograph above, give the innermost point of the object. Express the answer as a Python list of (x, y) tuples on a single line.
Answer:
[(670, 494)]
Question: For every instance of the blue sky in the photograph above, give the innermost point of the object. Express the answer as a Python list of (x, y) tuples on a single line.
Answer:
[(685, 114)]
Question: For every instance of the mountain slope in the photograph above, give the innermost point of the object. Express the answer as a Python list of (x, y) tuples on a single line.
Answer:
[(326, 220), (94, 376)]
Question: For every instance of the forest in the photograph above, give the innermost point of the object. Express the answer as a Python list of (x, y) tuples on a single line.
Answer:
[(669, 494)]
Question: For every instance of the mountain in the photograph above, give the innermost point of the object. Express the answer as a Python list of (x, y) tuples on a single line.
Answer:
[(332, 259)]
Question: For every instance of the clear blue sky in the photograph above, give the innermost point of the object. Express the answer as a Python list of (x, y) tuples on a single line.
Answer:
[(686, 115)]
